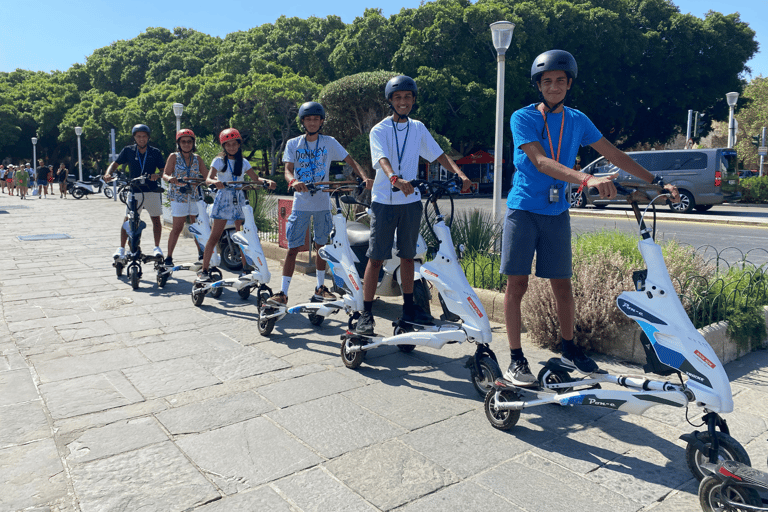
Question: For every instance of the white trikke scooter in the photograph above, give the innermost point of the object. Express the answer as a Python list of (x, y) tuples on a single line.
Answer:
[(672, 346), (201, 230), (341, 262), (448, 278), (257, 279)]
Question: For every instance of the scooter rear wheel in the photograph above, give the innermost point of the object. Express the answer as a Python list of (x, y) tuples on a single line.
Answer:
[(712, 500), (162, 278), (351, 359), (501, 419), (405, 348), (244, 293), (488, 372), (197, 294), (547, 376), (265, 326), (133, 272), (119, 269), (216, 275), (77, 193), (730, 449), (315, 319)]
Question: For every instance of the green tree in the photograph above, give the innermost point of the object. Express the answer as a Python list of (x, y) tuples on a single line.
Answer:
[(752, 117)]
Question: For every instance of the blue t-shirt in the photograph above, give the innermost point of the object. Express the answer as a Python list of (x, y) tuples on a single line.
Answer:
[(149, 163), (530, 188)]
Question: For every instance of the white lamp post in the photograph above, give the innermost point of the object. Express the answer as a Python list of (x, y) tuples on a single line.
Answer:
[(34, 155), (732, 98), (79, 132), (178, 109), (501, 33)]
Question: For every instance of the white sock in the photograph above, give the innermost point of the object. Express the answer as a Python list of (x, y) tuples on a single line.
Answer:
[(286, 284), (320, 278)]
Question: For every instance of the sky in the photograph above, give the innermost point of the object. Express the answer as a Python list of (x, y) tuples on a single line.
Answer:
[(47, 35)]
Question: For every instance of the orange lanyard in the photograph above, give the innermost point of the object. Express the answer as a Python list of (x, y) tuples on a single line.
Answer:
[(559, 142)]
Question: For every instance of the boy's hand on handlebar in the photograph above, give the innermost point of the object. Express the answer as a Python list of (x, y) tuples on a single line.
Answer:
[(270, 184), (466, 185), (604, 185), (673, 190), (154, 177), (299, 186), (219, 185), (368, 182), (404, 186)]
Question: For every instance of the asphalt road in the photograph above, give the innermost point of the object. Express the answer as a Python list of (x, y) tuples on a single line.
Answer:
[(735, 233)]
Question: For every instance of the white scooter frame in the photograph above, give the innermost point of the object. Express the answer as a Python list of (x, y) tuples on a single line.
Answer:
[(447, 276), (249, 242), (672, 346)]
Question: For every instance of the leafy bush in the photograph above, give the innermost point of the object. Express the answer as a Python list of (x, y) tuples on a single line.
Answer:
[(482, 271), (754, 190), (476, 230), (264, 206), (603, 263)]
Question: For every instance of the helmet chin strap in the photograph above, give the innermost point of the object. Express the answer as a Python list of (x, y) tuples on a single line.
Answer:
[(312, 134), (399, 117)]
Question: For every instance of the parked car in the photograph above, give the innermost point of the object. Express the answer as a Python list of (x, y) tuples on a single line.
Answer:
[(747, 174), (704, 177)]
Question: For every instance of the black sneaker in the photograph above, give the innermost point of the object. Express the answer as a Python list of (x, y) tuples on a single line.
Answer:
[(575, 359), (168, 261), (204, 276), (520, 374), (418, 317), (365, 324)]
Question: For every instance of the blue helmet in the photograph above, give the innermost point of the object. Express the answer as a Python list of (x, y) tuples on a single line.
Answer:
[(400, 83), (141, 128)]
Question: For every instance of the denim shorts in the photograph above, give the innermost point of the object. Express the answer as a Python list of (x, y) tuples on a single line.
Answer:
[(388, 218), (179, 209), (548, 236), (298, 224)]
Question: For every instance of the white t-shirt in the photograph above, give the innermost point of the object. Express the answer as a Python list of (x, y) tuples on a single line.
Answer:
[(311, 164), (226, 174), (413, 141)]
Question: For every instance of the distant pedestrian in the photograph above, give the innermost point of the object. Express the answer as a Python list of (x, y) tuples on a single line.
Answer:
[(42, 180), (51, 178), (61, 177), (9, 180), (22, 181), (3, 172)]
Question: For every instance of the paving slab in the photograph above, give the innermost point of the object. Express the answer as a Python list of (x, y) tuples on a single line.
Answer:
[(156, 477), (263, 498), (112, 439), (213, 413), (316, 490), (17, 386), (165, 378), (32, 475), (88, 394), (23, 423)]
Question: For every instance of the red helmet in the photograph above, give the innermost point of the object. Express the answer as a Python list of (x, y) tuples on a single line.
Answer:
[(186, 132), (229, 134)]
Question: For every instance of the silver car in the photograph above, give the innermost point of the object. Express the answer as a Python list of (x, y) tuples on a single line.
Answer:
[(704, 177)]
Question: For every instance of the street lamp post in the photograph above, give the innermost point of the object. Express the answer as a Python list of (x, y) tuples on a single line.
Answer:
[(178, 109), (79, 132), (34, 155), (732, 98), (501, 33)]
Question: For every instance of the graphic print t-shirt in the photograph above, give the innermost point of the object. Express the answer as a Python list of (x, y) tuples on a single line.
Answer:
[(311, 164)]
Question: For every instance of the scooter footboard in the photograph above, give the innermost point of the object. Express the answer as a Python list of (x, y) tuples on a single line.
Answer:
[(635, 403), (426, 339)]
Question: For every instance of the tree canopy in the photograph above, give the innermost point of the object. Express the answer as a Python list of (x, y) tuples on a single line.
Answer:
[(642, 65)]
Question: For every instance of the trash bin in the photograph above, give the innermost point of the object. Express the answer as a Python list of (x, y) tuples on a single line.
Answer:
[(284, 208)]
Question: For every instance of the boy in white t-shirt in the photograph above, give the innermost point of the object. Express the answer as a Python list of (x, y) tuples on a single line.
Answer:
[(397, 142), (308, 160)]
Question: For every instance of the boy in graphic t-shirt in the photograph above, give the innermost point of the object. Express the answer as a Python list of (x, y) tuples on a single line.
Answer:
[(308, 160)]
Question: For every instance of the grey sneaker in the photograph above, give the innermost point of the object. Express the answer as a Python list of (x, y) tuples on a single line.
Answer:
[(520, 374)]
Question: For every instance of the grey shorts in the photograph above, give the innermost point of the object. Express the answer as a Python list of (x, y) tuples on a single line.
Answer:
[(548, 236), (298, 224), (386, 219)]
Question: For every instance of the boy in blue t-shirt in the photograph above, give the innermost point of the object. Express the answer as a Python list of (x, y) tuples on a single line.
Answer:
[(547, 137)]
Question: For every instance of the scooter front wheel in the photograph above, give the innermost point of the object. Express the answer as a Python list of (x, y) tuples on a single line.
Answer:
[(730, 449), (711, 496), (198, 294), (133, 273), (501, 419), (351, 359), (216, 275), (485, 376), (77, 193), (244, 293), (119, 269), (265, 326), (108, 192), (405, 348), (162, 278)]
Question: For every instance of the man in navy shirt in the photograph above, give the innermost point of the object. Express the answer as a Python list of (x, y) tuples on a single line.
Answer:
[(142, 160)]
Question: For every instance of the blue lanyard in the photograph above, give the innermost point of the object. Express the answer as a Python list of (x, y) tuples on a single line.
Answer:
[(138, 157), (311, 156), (397, 143), (231, 168)]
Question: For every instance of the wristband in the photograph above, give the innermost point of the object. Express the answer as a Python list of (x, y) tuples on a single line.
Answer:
[(393, 179), (584, 183), (290, 183)]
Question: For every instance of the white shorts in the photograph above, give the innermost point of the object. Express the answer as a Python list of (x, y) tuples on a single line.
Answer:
[(183, 209), (151, 202)]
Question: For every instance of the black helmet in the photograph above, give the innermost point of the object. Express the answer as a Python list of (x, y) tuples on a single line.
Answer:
[(141, 128), (554, 60), (311, 108), (400, 83)]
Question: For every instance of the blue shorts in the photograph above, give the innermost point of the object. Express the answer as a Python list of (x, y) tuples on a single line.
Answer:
[(388, 218), (42, 183), (548, 236), (298, 224)]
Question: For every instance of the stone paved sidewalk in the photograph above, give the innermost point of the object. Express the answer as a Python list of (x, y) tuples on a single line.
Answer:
[(114, 399)]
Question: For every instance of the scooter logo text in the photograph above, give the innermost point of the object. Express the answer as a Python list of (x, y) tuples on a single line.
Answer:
[(474, 306), (704, 358), (354, 283), (429, 272)]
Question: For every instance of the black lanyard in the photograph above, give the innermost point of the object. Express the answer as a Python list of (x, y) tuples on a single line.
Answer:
[(397, 143)]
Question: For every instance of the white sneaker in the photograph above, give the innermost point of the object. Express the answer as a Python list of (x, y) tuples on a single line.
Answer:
[(119, 253), (520, 374), (158, 253)]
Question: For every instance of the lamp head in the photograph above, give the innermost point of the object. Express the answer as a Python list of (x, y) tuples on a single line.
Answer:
[(732, 98), (178, 109), (34, 140), (78, 131), (501, 33)]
